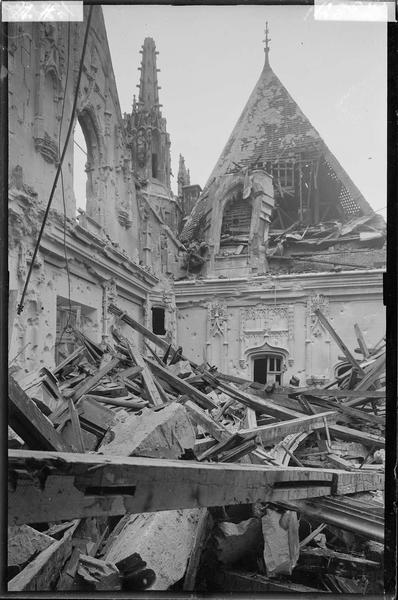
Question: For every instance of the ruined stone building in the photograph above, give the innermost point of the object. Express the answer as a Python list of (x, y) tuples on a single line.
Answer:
[(232, 273), (278, 231), (122, 248)]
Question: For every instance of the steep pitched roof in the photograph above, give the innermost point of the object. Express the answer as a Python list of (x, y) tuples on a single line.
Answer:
[(272, 127)]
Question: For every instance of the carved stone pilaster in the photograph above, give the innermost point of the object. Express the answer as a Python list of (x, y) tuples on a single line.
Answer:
[(217, 318), (315, 329)]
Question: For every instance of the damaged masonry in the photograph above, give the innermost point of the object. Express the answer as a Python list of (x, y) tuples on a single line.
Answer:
[(196, 396)]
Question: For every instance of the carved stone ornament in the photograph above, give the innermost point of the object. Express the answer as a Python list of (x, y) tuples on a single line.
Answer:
[(217, 317), (314, 326), (52, 56), (47, 147), (266, 324), (111, 290)]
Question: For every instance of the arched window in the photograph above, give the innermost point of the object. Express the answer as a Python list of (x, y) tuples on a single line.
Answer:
[(237, 217), (268, 368), (79, 167), (86, 162)]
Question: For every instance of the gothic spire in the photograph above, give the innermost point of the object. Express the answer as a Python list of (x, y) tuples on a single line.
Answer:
[(266, 43), (183, 177), (148, 96)]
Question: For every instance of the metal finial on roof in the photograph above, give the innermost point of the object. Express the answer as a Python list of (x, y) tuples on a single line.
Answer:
[(266, 42)]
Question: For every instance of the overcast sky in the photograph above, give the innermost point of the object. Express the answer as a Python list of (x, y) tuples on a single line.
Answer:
[(210, 58)]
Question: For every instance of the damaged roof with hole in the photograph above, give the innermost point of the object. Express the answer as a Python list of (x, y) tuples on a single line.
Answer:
[(273, 129)]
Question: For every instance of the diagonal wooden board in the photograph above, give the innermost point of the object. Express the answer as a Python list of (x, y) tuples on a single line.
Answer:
[(83, 485), (276, 432), (30, 424), (181, 385)]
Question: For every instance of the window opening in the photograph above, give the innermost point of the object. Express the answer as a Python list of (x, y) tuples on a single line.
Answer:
[(158, 321), (155, 166), (79, 167), (71, 316), (268, 369)]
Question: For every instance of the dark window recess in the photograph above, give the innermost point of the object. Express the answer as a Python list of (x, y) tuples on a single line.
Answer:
[(155, 166), (236, 218), (158, 321), (268, 369)]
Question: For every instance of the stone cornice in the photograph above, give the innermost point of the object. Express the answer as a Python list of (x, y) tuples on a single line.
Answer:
[(102, 262), (283, 287)]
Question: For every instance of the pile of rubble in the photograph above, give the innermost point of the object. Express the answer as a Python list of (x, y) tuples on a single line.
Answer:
[(132, 471)]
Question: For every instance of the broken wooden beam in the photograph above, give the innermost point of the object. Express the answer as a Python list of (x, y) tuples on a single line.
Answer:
[(355, 435), (200, 417), (98, 575), (336, 513), (147, 378), (276, 432), (182, 386), (90, 382), (205, 523), (371, 376), (260, 405), (97, 485), (114, 310), (350, 357), (27, 420), (361, 341), (241, 581)]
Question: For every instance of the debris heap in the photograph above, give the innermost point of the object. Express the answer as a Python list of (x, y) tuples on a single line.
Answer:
[(133, 470)]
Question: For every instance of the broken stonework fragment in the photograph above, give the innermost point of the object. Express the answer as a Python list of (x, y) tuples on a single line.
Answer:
[(164, 433), (164, 541), (24, 542), (281, 542), (238, 541)]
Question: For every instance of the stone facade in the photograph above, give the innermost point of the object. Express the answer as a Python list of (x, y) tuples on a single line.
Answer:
[(119, 249), (232, 322), (224, 293)]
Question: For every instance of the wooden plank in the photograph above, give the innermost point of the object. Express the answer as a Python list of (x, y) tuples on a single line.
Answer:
[(370, 377), (90, 382), (251, 419), (149, 384), (135, 403), (83, 485), (202, 530), (323, 393), (260, 405), (351, 413), (181, 385), (147, 333), (355, 435), (39, 574), (351, 359), (217, 431), (276, 432), (76, 429), (27, 420), (312, 535), (69, 359), (340, 463), (361, 341), (115, 310), (241, 582)]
